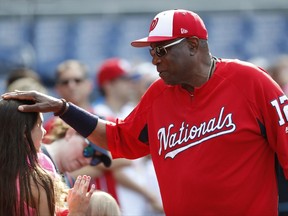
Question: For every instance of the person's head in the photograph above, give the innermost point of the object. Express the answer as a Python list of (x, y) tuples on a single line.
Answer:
[(27, 84), (24, 79), (279, 70), (103, 204), (66, 147), (179, 47), (20, 138), (146, 74), (21, 132), (113, 78), (72, 82), (22, 72)]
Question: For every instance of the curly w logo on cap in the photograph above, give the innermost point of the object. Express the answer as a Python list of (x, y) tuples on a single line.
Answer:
[(172, 24), (153, 24)]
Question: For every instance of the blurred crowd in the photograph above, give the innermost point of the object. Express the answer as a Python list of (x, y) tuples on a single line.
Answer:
[(129, 185)]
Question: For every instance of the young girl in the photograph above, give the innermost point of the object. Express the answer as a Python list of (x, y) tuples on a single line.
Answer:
[(26, 188)]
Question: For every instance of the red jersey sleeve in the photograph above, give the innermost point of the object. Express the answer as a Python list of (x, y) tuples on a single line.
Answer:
[(271, 109), (133, 130)]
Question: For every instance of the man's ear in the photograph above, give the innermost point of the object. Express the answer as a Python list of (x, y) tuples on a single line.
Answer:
[(193, 44)]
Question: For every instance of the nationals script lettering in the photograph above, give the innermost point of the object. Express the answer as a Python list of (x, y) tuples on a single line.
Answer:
[(168, 139)]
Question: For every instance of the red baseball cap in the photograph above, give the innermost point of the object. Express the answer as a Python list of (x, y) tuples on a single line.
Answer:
[(172, 24), (111, 69)]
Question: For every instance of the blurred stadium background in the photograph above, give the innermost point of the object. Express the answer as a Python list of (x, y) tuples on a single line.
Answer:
[(41, 33)]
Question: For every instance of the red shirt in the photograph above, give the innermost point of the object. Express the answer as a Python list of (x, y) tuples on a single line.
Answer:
[(213, 152)]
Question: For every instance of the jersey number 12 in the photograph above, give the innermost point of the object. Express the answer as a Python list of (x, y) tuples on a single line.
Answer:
[(275, 103)]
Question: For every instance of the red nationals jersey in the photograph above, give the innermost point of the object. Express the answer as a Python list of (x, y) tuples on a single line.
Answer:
[(213, 152)]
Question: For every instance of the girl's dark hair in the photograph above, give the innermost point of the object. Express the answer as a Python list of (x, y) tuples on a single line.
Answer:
[(19, 168)]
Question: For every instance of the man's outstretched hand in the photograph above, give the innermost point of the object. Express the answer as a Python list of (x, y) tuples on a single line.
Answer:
[(43, 103)]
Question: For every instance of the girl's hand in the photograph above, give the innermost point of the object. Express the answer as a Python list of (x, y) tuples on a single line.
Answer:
[(78, 198)]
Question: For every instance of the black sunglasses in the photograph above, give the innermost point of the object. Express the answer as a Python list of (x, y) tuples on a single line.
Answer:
[(67, 81), (161, 51)]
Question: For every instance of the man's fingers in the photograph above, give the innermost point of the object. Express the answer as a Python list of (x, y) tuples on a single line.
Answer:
[(29, 108), (43, 103), (16, 95)]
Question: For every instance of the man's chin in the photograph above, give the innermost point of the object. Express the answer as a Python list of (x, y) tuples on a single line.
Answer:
[(167, 82)]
